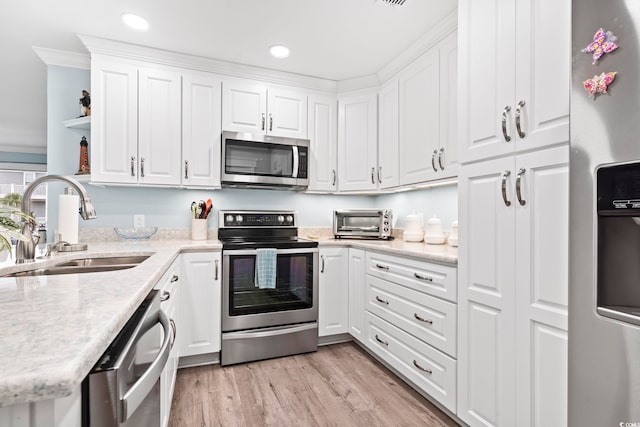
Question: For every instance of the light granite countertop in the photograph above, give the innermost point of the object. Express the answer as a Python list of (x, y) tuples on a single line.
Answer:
[(55, 328)]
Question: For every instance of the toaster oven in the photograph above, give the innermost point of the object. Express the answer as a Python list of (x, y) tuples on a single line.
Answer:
[(362, 223)]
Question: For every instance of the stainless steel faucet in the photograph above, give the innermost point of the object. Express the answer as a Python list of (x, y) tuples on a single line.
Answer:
[(25, 249)]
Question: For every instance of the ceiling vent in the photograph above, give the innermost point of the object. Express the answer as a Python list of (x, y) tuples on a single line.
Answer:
[(394, 2)]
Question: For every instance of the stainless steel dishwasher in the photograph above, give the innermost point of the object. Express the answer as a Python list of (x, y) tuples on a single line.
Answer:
[(123, 388)]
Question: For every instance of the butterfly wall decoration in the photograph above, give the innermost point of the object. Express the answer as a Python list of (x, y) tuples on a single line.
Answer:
[(599, 84), (603, 42)]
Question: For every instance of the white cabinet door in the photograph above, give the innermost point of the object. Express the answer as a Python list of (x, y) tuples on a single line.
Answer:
[(420, 119), (448, 153), (200, 330), (357, 142), (333, 306), (323, 134), (357, 293), (388, 122), (159, 127), (543, 73), (114, 127), (541, 262), (486, 77), (486, 350), (201, 130), (287, 114), (244, 107)]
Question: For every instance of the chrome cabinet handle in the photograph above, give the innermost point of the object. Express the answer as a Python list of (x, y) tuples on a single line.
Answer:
[(440, 154), (382, 300), (505, 174), (507, 138), (186, 169), (174, 278), (429, 321), (428, 371), (133, 160), (333, 181), (379, 174), (263, 121), (321, 263), (382, 267), (521, 172), (521, 104), (373, 171), (433, 160), (270, 122), (175, 331), (142, 167), (165, 296), (215, 277), (381, 342), (421, 277)]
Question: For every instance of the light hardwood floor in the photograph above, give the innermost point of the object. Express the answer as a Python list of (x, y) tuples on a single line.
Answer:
[(340, 385)]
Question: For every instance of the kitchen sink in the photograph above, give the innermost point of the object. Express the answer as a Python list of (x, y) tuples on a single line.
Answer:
[(84, 265)]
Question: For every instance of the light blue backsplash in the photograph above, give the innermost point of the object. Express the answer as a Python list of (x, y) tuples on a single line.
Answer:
[(167, 207)]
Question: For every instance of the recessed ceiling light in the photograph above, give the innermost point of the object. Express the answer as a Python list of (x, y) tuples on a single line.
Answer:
[(279, 51), (134, 21)]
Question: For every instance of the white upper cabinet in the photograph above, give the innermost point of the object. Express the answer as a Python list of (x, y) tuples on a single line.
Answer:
[(514, 76), (136, 123), (252, 108), (159, 126), (114, 127), (357, 142), (323, 134), (388, 118), (428, 115), (201, 130), (420, 119)]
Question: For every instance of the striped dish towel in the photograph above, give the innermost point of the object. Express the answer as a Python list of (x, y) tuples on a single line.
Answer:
[(265, 268)]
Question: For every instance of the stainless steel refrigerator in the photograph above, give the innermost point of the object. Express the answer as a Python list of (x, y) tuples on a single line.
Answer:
[(604, 273)]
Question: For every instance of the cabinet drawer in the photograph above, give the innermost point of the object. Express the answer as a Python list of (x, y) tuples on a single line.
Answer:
[(430, 319), (429, 369), (433, 279)]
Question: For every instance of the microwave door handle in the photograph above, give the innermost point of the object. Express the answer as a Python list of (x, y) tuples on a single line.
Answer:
[(296, 161), (143, 386)]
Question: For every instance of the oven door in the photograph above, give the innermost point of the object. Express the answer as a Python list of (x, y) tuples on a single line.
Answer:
[(294, 299)]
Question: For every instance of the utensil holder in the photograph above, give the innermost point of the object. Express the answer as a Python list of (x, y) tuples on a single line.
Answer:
[(198, 229)]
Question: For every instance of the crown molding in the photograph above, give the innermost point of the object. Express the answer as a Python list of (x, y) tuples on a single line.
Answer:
[(115, 48), (63, 58), (357, 84), (439, 31)]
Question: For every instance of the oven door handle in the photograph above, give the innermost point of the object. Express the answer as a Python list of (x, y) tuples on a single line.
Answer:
[(296, 161), (278, 251), (270, 332), (143, 386)]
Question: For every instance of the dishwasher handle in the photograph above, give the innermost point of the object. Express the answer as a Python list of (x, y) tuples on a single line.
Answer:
[(142, 387)]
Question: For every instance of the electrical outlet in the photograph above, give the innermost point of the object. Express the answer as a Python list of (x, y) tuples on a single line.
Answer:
[(138, 221)]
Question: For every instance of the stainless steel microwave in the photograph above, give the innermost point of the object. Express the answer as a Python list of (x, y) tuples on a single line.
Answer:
[(262, 161), (362, 223)]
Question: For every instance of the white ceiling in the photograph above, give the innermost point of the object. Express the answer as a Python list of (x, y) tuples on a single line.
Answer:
[(333, 39)]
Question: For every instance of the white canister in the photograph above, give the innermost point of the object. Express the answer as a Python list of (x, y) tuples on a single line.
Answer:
[(413, 228), (198, 229), (453, 236), (433, 233)]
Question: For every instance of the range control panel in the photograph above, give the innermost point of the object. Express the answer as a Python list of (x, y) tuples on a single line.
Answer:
[(249, 219)]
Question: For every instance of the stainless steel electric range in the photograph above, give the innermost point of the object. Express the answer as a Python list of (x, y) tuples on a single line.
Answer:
[(262, 318)]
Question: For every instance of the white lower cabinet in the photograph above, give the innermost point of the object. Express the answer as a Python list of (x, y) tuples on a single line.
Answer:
[(357, 274), (333, 298), (431, 370), (200, 330)]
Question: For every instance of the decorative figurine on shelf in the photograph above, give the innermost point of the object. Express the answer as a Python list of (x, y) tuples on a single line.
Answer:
[(83, 169), (85, 104)]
